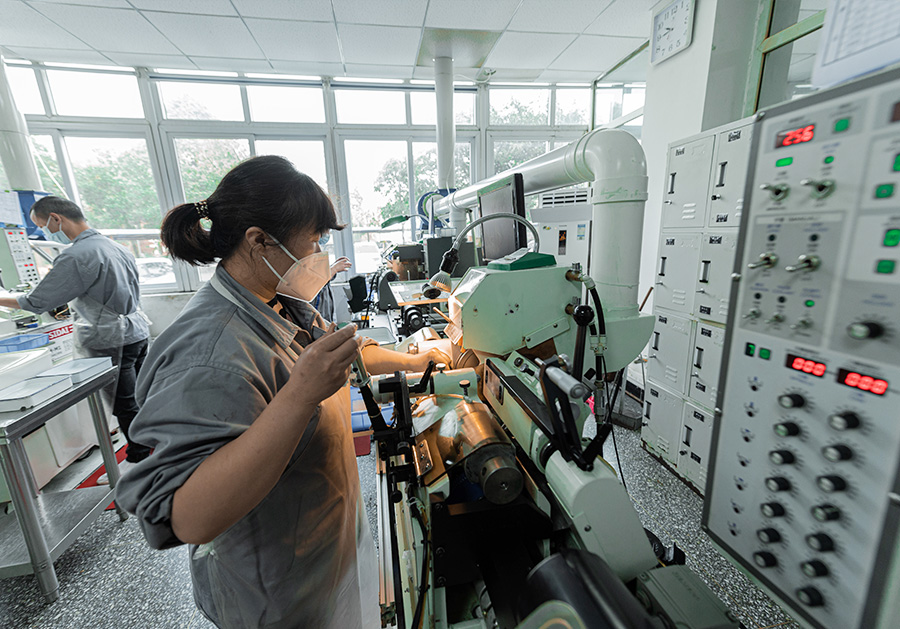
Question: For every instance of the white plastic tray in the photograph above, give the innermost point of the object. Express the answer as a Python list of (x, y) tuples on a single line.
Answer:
[(80, 369), (31, 392)]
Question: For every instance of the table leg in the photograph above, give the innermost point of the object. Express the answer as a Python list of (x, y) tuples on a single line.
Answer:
[(13, 457), (106, 448)]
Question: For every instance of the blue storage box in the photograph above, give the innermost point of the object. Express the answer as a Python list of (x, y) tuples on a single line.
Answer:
[(360, 419), (23, 341)]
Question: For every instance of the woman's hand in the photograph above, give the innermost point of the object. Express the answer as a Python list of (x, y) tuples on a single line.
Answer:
[(324, 365), (340, 265)]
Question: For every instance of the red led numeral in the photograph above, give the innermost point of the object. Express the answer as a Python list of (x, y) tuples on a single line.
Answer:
[(852, 379), (798, 363), (819, 370), (879, 387), (806, 134)]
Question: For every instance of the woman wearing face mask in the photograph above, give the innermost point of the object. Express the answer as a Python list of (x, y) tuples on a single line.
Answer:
[(249, 417)]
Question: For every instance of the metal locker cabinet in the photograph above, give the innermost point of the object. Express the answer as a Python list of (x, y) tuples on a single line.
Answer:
[(706, 362), (676, 270), (693, 449), (669, 351), (713, 278), (729, 174), (686, 193), (661, 425)]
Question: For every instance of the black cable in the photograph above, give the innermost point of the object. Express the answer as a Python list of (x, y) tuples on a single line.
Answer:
[(601, 321), (609, 412), (423, 582)]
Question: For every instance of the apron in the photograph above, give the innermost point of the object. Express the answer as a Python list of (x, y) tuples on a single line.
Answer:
[(303, 557)]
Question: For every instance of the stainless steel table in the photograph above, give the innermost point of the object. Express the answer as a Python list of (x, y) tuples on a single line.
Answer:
[(46, 524)]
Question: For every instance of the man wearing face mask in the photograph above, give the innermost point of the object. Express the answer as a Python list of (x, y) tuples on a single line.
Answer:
[(100, 279)]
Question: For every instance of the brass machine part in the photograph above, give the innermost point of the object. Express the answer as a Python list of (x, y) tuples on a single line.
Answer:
[(468, 435)]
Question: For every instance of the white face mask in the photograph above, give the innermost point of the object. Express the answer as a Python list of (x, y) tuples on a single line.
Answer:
[(305, 278), (57, 236)]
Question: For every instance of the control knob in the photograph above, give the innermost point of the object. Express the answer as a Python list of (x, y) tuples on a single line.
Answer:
[(820, 542), (831, 483), (814, 568), (782, 457), (791, 400), (826, 513), (768, 536), (846, 420), (837, 453), (787, 429), (764, 559), (778, 483), (810, 596), (772, 509), (862, 330)]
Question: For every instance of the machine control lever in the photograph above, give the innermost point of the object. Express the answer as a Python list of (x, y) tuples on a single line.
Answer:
[(765, 261), (806, 262)]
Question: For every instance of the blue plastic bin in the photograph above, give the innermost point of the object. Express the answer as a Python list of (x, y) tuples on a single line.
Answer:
[(23, 341)]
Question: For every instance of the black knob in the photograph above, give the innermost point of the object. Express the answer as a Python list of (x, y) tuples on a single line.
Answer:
[(814, 568), (772, 509), (791, 400), (764, 559), (782, 457), (768, 536), (810, 596), (820, 542), (583, 315), (837, 453), (787, 429), (831, 483), (778, 483), (847, 420), (826, 513), (862, 330)]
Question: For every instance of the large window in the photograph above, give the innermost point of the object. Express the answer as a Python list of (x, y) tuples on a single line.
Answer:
[(511, 153), (370, 107), (424, 108), (520, 106), (277, 103), (25, 89), (48, 166), (95, 94), (201, 101), (308, 156), (202, 162)]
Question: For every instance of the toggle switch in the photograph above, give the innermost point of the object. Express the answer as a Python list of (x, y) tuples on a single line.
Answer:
[(765, 261), (778, 191), (820, 188), (806, 262)]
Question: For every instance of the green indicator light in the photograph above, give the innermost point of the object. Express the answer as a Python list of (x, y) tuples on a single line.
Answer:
[(841, 125), (829, 159), (809, 303), (892, 238), (749, 349), (884, 191), (784, 161), (886, 267), (897, 162), (764, 353)]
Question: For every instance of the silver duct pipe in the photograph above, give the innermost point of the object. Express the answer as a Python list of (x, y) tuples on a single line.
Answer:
[(15, 150), (446, 124)]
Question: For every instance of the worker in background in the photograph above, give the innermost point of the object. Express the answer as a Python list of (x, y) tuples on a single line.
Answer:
[(244, 399), (100, 279), (324, 301)]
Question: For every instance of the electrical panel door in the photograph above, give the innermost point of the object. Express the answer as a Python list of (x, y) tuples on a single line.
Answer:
[(693, 449), (726, 185), (713, 278), (669, 348), (685, 198), (676, 268), (662, 422), (706, 363)]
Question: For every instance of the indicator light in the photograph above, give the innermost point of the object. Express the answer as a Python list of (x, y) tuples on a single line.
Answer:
[(784, 161), (765, 353), (891, 238), (829, 159), (886, 267), (749, 349), (896, 163), (809, 303), (841, 125), (884, 191)]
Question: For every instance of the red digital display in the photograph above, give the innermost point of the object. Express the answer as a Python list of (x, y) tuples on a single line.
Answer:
[(805, 365), (862, 382), (795, 136)]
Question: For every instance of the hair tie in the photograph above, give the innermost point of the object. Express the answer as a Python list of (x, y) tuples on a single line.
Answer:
[(202, 209)]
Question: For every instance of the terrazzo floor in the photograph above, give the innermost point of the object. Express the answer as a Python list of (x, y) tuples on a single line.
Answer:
[(110, 578)]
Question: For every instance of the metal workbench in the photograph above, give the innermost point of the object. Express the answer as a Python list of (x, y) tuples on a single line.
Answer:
[(46, 524)]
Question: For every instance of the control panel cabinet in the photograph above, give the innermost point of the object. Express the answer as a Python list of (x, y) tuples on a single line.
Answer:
[(693, 450), (670, 346), (685, 198), (804, 481), (729, 175), (659, 435), (676, 270)]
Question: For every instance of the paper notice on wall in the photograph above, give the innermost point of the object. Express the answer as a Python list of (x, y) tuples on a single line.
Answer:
[(9, 208), (859, 36)]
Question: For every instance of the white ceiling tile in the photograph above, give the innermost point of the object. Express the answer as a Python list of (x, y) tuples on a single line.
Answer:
[(59, 55), (466, 48), (567, 76), (391, 45), (197, 7), (527, 50), (232, 65), (307, 10), (300, 41), (386, 12), (379, 71), (207, 35), (146, 60), (120, 30), (552, 16), (624, 19), (474, 14), (22, 25), (595, 53), (116, 4), (308, 68)]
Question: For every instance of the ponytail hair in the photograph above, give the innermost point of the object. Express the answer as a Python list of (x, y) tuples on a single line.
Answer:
[(265, 192)]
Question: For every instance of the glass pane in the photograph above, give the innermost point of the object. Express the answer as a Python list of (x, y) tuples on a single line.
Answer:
[(609, 104), (277, 103), (424, 108), (634, 127), (632, 99), (154, 265), (203, 162), (48, 166), (789, 12), (520, 106), (787, 71), (378, 181), (573, 106), (25, 90), (425, 167), (370, 107), (510, 153), (90, 94), (115, 182), (201, 101), (308, 156)]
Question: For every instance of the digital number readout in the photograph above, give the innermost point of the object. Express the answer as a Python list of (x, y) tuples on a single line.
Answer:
[(862, 382), (805, 365), (795, 136)]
